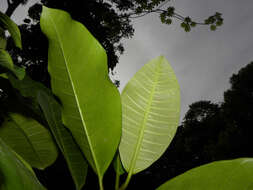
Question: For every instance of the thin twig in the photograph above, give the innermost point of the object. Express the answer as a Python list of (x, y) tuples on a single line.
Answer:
[(8, 2)]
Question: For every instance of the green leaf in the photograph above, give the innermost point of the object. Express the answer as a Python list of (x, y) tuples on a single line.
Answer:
[(222, 175), (5, 60), (3, 41), (4, 75), (24, 162), (193, 24), (29, 139), (151, 111), (183, 24), (70, 150), (163, 17), (187, 28), (15, 173), (219, 22), (77, 64), (213, 27), (8, 24), (168, 21), (7, 63), (117, 165), (29, 89), (188, 20)]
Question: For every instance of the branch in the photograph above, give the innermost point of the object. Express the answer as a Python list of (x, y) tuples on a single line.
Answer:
[(169, 13), (11, 7), (8, 2)]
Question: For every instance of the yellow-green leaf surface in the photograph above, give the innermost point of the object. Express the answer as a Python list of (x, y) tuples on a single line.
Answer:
[(7, 63), (29, 139), (15, 173), (70, 150), (77, 64), (222, 175), (8, 24), (151, 110)]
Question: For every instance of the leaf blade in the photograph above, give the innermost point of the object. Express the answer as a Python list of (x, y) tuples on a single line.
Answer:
[(228, 174), (9, 25), (71, 152), (74, 56), (30, 140), (15, 174), (151, 108), (3, 41), (7, 63)]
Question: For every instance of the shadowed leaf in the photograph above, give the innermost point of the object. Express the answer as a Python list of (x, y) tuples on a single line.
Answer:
[(7, 24), (70, 150), (15, 173), (29, 139)]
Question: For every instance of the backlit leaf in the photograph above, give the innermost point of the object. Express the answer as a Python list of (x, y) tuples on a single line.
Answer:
[(151, 110)]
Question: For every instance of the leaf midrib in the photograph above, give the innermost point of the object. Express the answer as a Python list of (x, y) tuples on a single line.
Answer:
[(73, 88), (59, 138), (144, 121), (29, 141)]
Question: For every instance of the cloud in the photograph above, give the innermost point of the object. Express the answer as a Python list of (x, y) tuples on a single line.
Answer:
[(203, 60)]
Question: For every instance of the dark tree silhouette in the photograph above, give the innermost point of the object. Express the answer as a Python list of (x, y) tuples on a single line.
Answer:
[(13, 4), (238, 111), (108, 20)]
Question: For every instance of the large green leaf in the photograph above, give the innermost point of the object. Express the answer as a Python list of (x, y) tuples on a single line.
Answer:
[(77, 64), (151, 110), (8, 24), (15, 173), (29, 139), (73, 155), (7, 63), (222, 175)]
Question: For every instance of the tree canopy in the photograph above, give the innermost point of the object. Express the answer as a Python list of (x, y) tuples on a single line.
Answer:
[(108, 20)]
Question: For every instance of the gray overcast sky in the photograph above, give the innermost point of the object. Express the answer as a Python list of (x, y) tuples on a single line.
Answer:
[(203, 60)]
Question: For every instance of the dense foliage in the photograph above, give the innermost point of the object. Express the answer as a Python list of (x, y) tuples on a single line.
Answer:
[(108, 20), (207, 133)]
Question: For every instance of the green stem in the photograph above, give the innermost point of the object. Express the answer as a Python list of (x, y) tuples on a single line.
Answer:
[(117, 174), (117, 181), (124, 186), (100, 183)]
